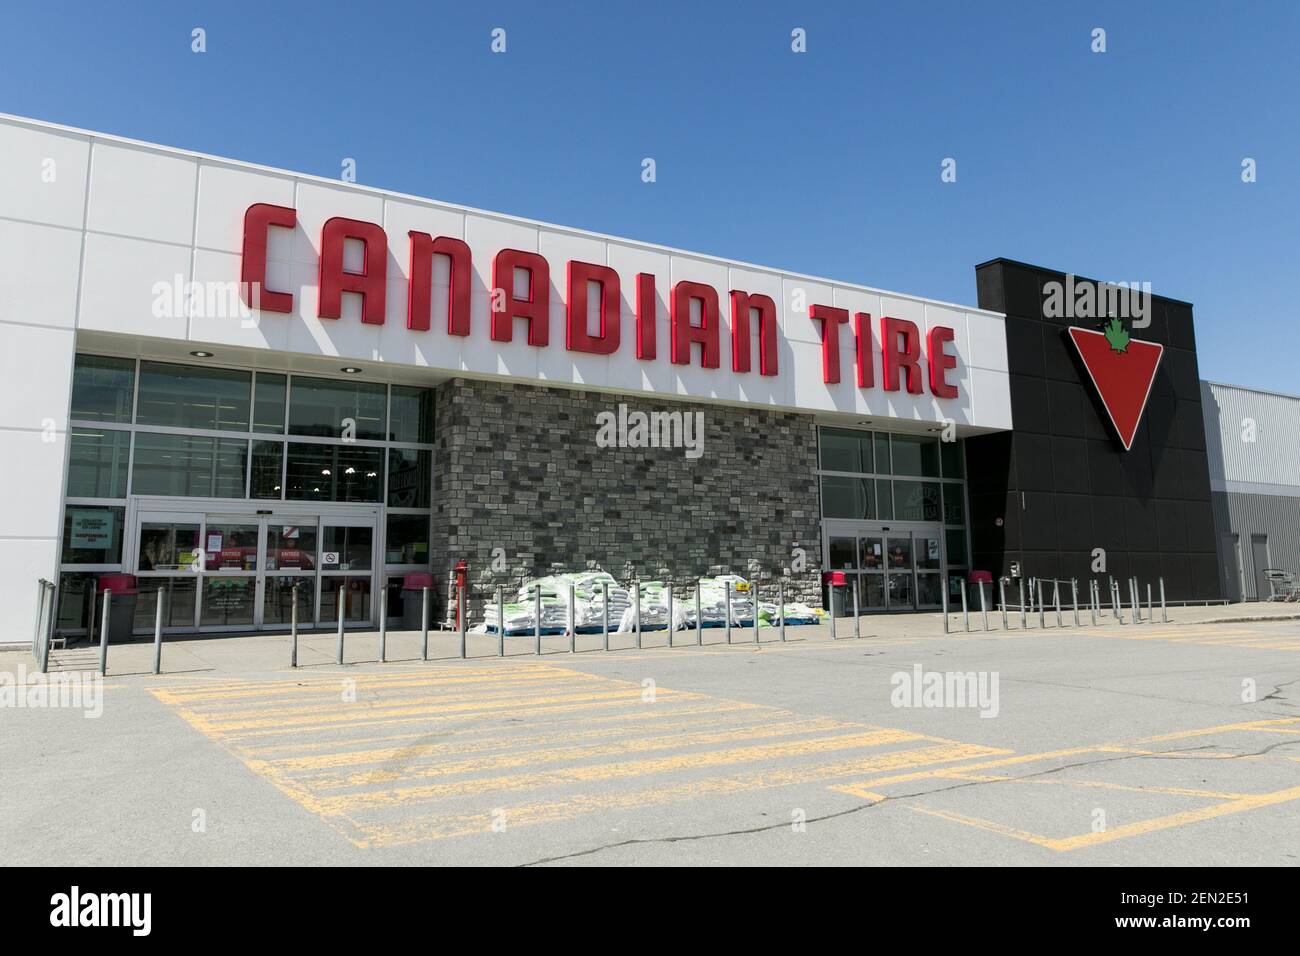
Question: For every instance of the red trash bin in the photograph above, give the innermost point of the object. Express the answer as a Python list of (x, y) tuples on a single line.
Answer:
[(121, 612), (413, 586)]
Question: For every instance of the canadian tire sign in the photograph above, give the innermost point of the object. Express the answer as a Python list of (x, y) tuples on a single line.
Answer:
[(1122, 369)]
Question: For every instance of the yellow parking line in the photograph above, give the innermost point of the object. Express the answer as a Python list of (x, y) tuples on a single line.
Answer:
[(519, 758), (440, 826), (1142, 827), (467, 710), (612, 771)]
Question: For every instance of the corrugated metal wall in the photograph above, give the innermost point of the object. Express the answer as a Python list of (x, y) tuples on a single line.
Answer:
[(1253, 446), (1277, 517)]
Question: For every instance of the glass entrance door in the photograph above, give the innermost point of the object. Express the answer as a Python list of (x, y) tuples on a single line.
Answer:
[(347, 570), (220, 571), (893, 569)]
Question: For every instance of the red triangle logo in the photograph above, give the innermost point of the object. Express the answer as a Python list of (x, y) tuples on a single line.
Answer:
[(1122, 376)]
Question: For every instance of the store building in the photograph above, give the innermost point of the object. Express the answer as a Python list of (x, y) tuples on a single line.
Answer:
[(1254, 458), (227, 379)]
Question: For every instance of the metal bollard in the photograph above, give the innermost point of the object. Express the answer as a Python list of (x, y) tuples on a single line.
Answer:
[(383, 625), (1042, 615), (47, 631), (727, 612), (501, 622), (103, 635), (157, 635), (1024, 623), (40, 616), (1151, 618), (1093, 600), (573, 624), (1074, 599), (753, 599), (780, 605), (830, 590), (1056, 600), (984, 608), (636, 611), (462, 614), (943, 601), (965, 611), (537, 619), (670, 613), (424, 624), (857, 620), (338, 650), (1164, 611), (1002, 599), (1133, 599), (604, 615), (293, 625), (699, 621)]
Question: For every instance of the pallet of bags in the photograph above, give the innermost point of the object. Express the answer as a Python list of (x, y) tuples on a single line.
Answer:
[(796, 613), (518, 619)]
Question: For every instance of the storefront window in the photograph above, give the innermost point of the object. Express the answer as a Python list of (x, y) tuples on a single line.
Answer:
[(916, 500), (407, 539), (268, 403), (193, 396), (268, 456), (334, 473), (847, 497), (914, 455), (189, 466), (954, 503), (102, 389), (884, 499), (410, 478), (411, 415), (325, 408), (97, 463), (92, 535), (843, 449)]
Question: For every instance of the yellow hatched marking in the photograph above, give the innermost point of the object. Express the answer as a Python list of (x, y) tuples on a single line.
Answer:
[(491, 742), (430, 827), (613, 771), (524, 758)]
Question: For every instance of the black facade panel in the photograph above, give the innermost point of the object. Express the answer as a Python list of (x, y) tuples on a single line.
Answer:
[(1029, 404), (1034, 462), (1108, 523), (1068, 408), (1070, 466), (1063, 484)]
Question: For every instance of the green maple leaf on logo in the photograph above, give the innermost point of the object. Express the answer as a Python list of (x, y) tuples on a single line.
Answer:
[(1116, 336)]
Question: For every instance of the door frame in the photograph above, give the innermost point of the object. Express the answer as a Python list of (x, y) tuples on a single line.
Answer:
[(858, 529), (198, 510)]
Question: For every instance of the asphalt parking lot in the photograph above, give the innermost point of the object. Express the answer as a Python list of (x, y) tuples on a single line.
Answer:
[(1154, 744)]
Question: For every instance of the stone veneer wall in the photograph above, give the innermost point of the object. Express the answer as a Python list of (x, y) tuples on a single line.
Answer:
[(517, 467)]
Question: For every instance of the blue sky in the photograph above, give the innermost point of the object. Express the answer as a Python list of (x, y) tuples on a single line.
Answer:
[(1124, 165)]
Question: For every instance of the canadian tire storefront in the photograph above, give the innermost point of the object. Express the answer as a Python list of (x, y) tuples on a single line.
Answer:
[(229, 380)]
